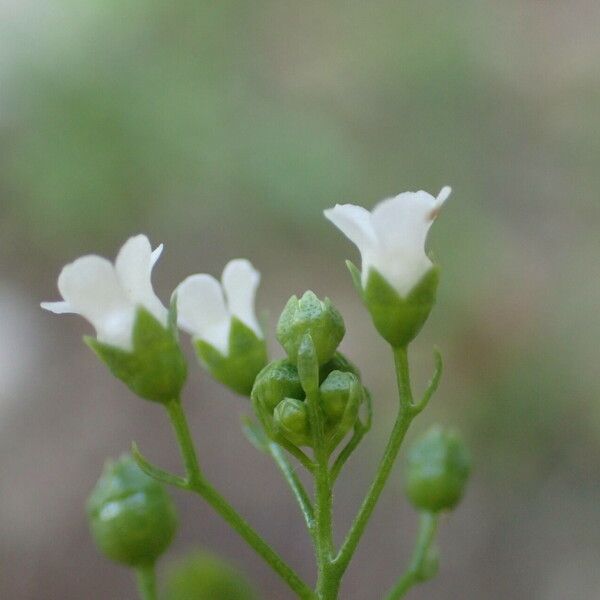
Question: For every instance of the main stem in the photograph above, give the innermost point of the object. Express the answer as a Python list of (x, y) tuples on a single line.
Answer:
[(197, 484), (403, 421), (146, 581)]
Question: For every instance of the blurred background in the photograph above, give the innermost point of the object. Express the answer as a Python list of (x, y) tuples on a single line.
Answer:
[(223, 130)]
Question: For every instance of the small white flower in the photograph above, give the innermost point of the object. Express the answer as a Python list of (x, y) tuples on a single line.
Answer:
[(391, 238), (108, 295), (206, 307)]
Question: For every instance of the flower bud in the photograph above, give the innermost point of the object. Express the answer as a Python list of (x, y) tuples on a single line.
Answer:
[(278, 380), (201, 576), (399, 319), (438, 469), (310, 315), (341, 396), (335, 393), (131, 516), (155, 368), (247, 355), (291, 421)]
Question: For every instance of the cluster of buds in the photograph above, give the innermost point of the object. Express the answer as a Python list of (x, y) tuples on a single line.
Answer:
[(280, 392)]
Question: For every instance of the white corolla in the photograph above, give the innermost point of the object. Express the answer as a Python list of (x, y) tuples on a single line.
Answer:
[(206, 308), (391, 238), (108, 295)]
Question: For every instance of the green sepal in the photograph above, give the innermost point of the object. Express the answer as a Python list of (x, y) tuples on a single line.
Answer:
[(438, 468), (155, 369), (131, 516), (278, 380), (290, 420), (341, 396), (310, 315), (397, 319), (308, 365), (356, 276), (247, 356)]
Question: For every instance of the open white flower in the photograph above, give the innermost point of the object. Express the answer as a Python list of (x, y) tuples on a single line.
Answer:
[(108, 295), (206, 307), (391, 238)]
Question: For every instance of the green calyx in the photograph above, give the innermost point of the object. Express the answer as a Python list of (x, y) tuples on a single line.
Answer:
[(278, 380), (291, 421), (246, 357), (310, 315), (336, 392), (438, 469), (398, 320), (131, 516), (155, 369)]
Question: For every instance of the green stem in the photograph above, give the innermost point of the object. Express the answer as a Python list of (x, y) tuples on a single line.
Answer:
[(427, 527), (146, 582), (405, 416), (295, 484), (185, 441), (197, 484)]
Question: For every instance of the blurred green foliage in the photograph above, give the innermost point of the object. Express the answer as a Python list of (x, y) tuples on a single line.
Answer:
[(227, 120)]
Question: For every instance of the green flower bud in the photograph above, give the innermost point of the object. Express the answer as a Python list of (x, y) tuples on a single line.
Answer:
[(246, 357), (278, 380), (398, 320), (205, 577), (335, 393), (310, 315), (155, 369), (131, 516), (438, 469), (291, 421)]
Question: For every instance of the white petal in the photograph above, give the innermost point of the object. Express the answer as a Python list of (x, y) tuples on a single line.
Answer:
[(156, 255), (401, 224), (134, 268), (91, 288), (240, 282), (201, 310), (58, 308), (355, 223), (443, 195)]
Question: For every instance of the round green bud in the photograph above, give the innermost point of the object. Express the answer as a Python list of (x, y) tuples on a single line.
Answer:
[(291, 421), (205, 577), (310, 315), (335, 393), (438, 469), (278, 380), (131, 516)]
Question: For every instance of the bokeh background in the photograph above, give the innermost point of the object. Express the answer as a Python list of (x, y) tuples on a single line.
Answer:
[(223, 130)]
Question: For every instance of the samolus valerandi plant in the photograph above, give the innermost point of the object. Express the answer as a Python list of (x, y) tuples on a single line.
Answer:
[(311, 407)]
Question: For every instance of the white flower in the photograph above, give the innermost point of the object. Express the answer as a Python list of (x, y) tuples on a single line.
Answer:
[(108, 295), (206, 307), (391, 238)]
